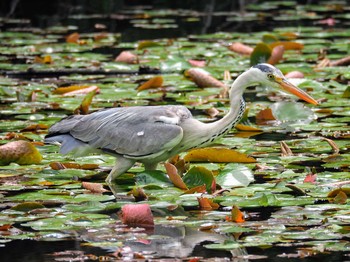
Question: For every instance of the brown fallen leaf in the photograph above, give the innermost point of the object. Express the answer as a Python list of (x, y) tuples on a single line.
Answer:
[(127, 57), (264, 116), (83, 91), (94, 187), (73, 38), (240, 48), (203, 78), (242, 127), (20, 152), (276, 55), (197, 189), (35, 128), (285, 150), (47, 59), (340, 62), (154, 82), (332, 144), (174, 176), (83, 108), (217, 155), (207, 204), (197, 63), (294, 74), (137, 215)]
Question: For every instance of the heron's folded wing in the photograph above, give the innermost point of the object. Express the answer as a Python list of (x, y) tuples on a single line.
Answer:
[(135, 132)]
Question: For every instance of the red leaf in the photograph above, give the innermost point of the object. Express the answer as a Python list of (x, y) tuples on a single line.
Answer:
[(310, 178), (137, 215)]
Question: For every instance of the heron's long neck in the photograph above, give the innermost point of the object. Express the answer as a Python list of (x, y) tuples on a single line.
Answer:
[(237, 107)]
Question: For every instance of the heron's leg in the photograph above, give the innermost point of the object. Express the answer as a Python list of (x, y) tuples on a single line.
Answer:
[(150, 166), (122, 165)]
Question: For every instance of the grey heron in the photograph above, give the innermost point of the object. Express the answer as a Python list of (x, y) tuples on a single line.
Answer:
[(151, 134)]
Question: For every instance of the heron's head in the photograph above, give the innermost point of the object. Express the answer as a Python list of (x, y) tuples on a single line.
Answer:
[(269, 75)]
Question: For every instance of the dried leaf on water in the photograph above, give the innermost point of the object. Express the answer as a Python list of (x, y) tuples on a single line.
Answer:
[(174, 176), (236, 215), (207, 204), (94, 187), (127, 57), (240, 48), (83, 109), (203, 78), (20, 152), (154, 82), (276, 55)]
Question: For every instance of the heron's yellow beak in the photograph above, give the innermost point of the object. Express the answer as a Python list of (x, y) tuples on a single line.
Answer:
[(292, 89)]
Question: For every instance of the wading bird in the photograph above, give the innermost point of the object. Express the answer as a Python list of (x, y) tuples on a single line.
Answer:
[(151, 134)]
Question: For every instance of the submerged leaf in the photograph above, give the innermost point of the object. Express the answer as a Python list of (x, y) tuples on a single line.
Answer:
[(27, 206), (20, 152)]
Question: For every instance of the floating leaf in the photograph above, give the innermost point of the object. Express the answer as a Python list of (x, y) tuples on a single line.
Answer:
[(127, 57), (93, 187), (197, 189), (137, 215), (68, 89), (147, 43), (292, 112), (276, 55), (294, 74), (217, 155), (83, 91), (203, 78), (288, 45), (85, 104), (235, 176), (198, 176), (197, 63), (174, 176), (20, 152), (260, 54), (236, 215), (310, 178), (27, 206), (240, 48), (59, 166), (346, 93), (242, 127), (340, 198), (207, 204), (73, 38), (154, 82)]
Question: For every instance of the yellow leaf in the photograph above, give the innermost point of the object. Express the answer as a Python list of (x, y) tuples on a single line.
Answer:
[(242, 127), (85, 104), (288, 45), (67, 89), (218, 155), (154, 82), (207, 204), (20, 152)]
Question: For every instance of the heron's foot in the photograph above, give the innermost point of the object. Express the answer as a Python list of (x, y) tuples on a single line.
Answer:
[(112, 186)]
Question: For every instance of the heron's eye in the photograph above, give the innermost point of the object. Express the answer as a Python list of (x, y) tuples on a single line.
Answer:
[(270, 76)]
